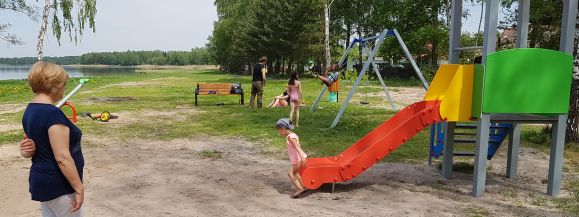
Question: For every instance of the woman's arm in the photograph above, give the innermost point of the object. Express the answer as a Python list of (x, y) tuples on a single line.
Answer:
[(27, 147), (263, 71), (59, 142)]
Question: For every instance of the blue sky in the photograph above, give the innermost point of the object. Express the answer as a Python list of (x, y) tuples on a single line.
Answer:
[(138, 25)]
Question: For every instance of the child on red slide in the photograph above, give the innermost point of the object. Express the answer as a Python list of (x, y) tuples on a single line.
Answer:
[(296, 155)]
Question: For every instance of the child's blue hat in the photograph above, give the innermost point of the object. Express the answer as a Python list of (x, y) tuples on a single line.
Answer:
[(284, 123)]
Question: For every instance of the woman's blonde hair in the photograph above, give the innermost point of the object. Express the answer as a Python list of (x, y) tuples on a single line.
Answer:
[(46, 77)]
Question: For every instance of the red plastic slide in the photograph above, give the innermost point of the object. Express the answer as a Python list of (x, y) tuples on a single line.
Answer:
[(371, 148)]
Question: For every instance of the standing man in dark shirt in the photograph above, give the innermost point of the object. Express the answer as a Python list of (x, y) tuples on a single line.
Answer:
[(258, 82)]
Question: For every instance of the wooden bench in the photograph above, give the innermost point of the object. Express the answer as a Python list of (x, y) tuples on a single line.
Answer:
[(222, 89)]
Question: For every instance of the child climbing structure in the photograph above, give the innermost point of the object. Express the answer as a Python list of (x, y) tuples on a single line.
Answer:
[(516, 86)]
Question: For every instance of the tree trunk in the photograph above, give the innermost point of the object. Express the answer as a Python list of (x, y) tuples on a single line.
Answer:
[(359, 48), (277, 66), (348, 35), (448, 10), (573, 120), (283, 65), (327, 33), (42, 33), (434, 54)]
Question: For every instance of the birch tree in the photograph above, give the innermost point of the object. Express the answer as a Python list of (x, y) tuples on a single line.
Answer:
[(70, 17), (60, 15), (573, 121)]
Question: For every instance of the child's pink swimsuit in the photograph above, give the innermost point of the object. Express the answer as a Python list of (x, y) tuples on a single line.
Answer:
[(294, 156), (294, 93)]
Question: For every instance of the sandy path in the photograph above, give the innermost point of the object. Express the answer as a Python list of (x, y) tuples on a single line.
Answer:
[(155, 178), (9, 127), (402, 96), (11, 108)]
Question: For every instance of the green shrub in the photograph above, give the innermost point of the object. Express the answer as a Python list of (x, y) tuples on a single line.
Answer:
[(537, 136)]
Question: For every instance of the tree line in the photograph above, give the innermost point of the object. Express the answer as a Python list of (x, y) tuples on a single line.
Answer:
[(291, 34), (197, 56), (17, 61)]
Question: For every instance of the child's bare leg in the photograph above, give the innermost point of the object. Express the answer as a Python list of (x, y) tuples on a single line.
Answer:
[(272, 103), (299, 177), (290, 173), (291, 111), (297, 114), (296, 179)]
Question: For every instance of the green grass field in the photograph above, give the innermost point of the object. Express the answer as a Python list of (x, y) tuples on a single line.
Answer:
[(167, 90)]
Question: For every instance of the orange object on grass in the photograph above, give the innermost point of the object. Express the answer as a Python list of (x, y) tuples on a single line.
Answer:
[(69, 104)]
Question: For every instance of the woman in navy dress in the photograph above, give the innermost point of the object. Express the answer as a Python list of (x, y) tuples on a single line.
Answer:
[(57, 161)]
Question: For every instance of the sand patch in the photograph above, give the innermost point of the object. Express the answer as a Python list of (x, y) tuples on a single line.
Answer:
[(187, 67), (148, 116), (9, 127), (109, 99), (402, 96), (12, 108), (157, 82)]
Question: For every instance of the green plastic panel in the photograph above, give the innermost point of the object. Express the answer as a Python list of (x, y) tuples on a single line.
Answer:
[(527, 81), (477, 90)]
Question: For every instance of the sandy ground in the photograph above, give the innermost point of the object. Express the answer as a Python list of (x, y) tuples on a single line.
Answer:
[(175, 178), (402, 96), (9, 127), (154, 178), (159, 83), (11, 108)]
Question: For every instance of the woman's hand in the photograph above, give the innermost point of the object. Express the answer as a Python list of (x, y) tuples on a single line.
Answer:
[(27, 147), (78, 199)]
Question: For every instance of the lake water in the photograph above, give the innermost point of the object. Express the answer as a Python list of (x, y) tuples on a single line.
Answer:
[(21, 72)]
